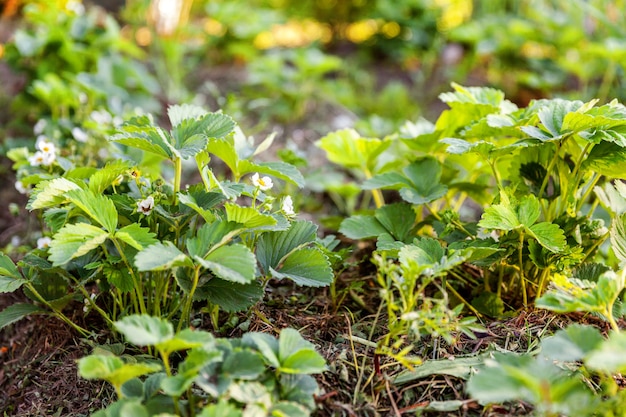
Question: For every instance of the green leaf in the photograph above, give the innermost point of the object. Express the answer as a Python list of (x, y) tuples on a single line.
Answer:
[(575, 295), (211, 234), (571, 344), (528, 210), (189, 370), (606, 158), (178, 113), (489, 303), (610, 356), (234, 263), (460, 146), (475, 95), (307, 266), (16, 312), (97, 206), (549, 235), (462, 368), (8, 268), (243, 364), (144, 330), (553, 114), (248, 216), (618, 238), (105, 177), (289, 409), (297, 355), (348, 149), (499, 217), (75, 240), (140, 133), (266, 344), (120, 278), (418, 184), (186, 339), (222, 409), (229, 296), (272, 247), (392, 180), (9, 284), (538, 381), (604, 117), (398, 219), (201, 202), (50, 193), (225, 150), (136, 236), (161, 256), (281, 170), (361, 227), (112, 369)]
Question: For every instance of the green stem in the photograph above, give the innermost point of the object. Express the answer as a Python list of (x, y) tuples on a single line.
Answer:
[(463, 300), (137, 284), (166, 364), (378, 196), (187, 309), (178, 173), (521, 269), (492, 165), (56, 312), (594, 180), (542, 282)]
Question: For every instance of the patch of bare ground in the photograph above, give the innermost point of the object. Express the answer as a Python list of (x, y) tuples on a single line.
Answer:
[(38, 375)]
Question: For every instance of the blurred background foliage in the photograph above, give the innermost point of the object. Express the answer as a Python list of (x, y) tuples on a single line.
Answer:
[(315, 64)]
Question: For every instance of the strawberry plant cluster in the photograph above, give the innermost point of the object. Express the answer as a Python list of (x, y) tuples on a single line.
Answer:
[(156, 222)]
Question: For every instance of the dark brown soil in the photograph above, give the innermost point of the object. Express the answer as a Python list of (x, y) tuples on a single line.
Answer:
[(38, 376)]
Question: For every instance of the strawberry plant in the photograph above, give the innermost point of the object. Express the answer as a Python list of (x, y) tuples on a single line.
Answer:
[(541, 164), (254, 375), (125, 242)]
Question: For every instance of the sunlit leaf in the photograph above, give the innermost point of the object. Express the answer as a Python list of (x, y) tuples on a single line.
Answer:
[(136, 236), (235, 263), (75, 240), (348, 149), (50, 193), (161, 256), (97, 206), (143, 330)]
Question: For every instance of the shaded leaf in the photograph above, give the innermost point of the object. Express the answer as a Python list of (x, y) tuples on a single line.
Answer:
[(234, 263), (308, 267), (272, 247), (16, 312)]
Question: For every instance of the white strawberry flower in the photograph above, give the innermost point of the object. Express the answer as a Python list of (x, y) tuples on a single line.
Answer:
[(80, 135), (264, 183), (43, 242), (20, 187), (146, 206), (40, 126), (44, 145), (287, 206), (36, 159)]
